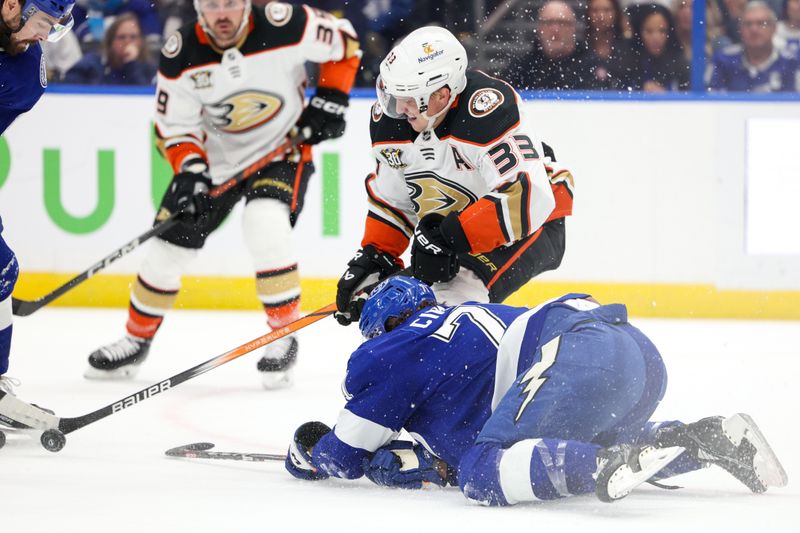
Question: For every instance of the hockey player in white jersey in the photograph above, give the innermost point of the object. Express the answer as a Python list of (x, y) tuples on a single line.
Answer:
[(461, 175), (230, 89)]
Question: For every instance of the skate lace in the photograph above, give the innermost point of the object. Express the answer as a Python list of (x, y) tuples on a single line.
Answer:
[(123, 348), (7, 384)]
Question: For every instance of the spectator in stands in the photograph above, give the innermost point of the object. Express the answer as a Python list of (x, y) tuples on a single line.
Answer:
[(93, 17), (556, 62), (682, 15), (123, 61), (655, 62), (605, 40), (787, 34), (756, 65)]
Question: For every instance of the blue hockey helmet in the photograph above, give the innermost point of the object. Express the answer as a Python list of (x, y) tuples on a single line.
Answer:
[(395, 297), (59, 9)]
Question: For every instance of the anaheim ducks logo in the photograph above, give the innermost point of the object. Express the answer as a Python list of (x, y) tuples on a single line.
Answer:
[(244, 111), (484, 102), (431, 193), (376, 112)]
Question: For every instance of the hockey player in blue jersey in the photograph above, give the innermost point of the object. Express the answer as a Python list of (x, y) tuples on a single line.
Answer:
[(514, 404), (23, 25)]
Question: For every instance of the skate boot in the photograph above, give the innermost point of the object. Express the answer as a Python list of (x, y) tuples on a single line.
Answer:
[(119, 360), (734, 443), (623, 467), (277, 364)]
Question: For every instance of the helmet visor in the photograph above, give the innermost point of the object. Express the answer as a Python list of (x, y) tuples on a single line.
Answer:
[(61, 28), (394, 106)]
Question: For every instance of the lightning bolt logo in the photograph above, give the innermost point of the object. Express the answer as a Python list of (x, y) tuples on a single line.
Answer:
[(533, 379)]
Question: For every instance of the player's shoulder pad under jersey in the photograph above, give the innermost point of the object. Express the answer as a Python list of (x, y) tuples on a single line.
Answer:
[(487, 108), (385, 129), (189, 48)]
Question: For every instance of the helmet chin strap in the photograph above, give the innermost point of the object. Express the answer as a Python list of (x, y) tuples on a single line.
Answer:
[(432, 119)]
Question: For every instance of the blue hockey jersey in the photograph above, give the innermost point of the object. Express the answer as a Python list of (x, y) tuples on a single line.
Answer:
[(23, 79), (730, 71), (433, 376)]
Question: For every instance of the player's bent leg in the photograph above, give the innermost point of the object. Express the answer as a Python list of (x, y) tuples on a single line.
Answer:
[(268, 233), (735, 444), (9, 271), (153, 294)]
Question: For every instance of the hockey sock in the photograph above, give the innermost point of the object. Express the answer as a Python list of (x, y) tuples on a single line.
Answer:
[(683, 464), (9, 270), (530, 470), (5, 334), (147, 308), (279, 292)]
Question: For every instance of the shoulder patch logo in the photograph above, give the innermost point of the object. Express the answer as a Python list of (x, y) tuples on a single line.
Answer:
[(173, 46), (484, 102), (377, 112), (278, 13), (201, 79), (392, 156), (42, 72)]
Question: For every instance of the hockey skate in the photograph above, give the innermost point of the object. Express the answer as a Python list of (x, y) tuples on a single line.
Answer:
[(18, 415), (119, 360), (277, 364), (734, 443), (623, 467)]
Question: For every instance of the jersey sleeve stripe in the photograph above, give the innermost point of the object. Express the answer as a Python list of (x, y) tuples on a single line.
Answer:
[(384, 236), (496, 139), (482, 225), (383, 208), (339, 75), (361, 433)]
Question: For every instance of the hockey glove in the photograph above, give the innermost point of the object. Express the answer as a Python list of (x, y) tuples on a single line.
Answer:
[(405, 465), (298, 460), (323, 117), (367, 267), (188, 192), (434, 251)]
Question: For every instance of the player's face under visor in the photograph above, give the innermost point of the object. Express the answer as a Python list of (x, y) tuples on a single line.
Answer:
[(42, 26), (400, 107)]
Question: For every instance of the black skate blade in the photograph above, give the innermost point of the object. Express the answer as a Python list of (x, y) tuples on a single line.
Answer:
[(188, 449)]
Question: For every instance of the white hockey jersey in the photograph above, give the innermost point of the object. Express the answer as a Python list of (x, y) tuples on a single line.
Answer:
[(483, 161), (233, 106)]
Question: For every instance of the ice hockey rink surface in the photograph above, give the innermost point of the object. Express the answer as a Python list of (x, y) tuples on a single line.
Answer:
[(113, 476)]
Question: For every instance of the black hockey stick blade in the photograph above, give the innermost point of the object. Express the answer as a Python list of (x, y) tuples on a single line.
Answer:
[(28, 307), (199, 450)]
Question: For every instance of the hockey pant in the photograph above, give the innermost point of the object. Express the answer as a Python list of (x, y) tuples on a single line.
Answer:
[(593, 381), (274, 199), (504, 270), (9, 270)]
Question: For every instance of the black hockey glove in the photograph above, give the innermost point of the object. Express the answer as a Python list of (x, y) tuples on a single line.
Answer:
[(367, 267), (323, 117), (434, 251), (188, 192), (298, 460)]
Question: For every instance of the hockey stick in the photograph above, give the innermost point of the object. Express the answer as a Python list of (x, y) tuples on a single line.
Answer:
[(27, 307), (37, 419), (199, 450)]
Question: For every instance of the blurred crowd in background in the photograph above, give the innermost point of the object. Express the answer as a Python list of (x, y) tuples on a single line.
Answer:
[(542, 44)]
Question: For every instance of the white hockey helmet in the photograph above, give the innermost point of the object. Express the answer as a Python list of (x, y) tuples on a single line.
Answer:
[(199, 5), (426, 60)]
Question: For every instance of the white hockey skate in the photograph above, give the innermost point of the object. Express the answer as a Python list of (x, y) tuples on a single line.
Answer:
[(735, 444), (623, 467), (18, 415), (119, 360), (277, 364)]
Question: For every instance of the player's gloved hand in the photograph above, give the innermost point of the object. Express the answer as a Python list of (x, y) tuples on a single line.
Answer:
[(366, 268), (188, 192), (405, 465), (434, 249), (323, 117), (298, 459)]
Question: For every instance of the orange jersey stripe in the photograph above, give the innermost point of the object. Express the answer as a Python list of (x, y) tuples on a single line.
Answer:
[(339, 75), (563, 198), (176, 154), (482, 226), (384, 237), (532, 239)]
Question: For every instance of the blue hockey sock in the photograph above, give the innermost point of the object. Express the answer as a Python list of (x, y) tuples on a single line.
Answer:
[(529, 470), (5, 333)]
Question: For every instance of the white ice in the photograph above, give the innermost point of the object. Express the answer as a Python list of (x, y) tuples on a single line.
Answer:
[(113, 477)]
